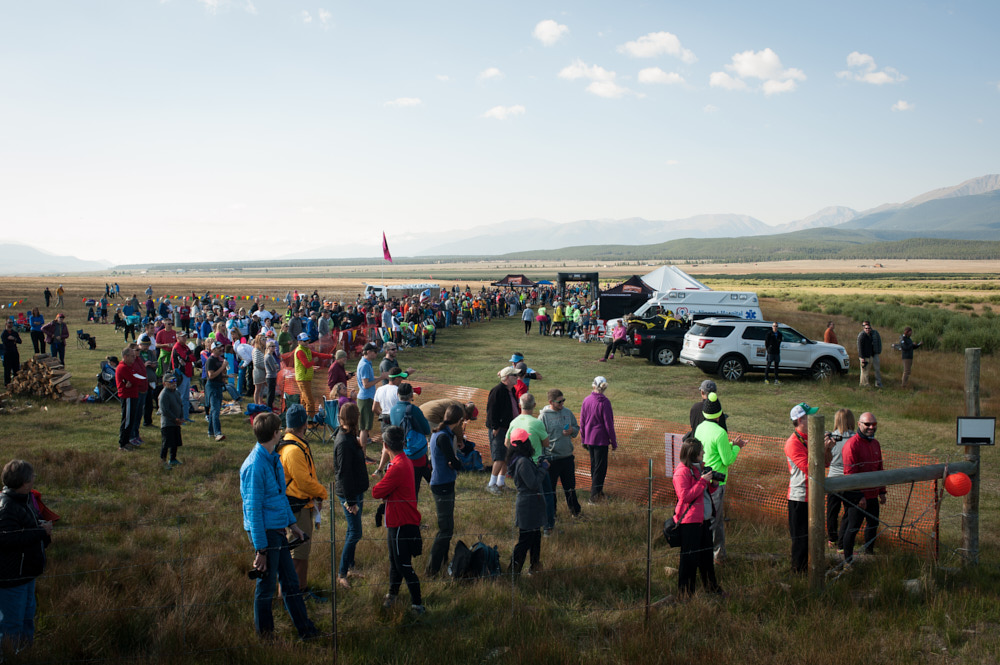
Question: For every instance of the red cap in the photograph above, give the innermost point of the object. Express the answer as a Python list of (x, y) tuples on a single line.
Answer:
[(519, 435)]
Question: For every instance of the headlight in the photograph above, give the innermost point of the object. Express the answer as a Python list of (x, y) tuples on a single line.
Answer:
[(843, 352)]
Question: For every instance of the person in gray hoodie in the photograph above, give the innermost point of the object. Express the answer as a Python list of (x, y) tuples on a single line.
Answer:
[(562, 427), (171, 417)]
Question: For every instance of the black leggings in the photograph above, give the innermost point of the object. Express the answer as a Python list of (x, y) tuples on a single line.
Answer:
[(564, 469), (401, 540), (38, 341), (617, 344), (529, 542), (696, 557), (527, 326)]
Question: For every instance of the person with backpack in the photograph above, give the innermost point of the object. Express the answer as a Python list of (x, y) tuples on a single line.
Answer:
[(529, 507), (352, 483), (444, 468), (305, 493), (416, 429), (402, 520)]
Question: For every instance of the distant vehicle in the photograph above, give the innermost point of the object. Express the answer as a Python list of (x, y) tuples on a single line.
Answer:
[(398, 290), (732, 347), (694, 304)]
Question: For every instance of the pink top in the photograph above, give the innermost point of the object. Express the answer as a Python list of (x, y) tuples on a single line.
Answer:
[(690, 489)]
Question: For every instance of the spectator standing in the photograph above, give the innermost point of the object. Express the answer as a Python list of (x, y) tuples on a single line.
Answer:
[(528, 316), (338, 373), (171, 419), (266, 515), (697, 416), (529, 507), (445, 465), (35, 323), (23, 539), (862, 453), (259, 369), (351, 485), (11, 357), (720, 454), (56, 333), (693, 486), (829, 335), (272, 365), (60, 292), (501, 407), (367, 385), (561, 427), (182, 363), (128, 395), (304, 357), (797, 456), (217, 374), (843, 423), (597, 427), (527, 421), (142, 388), (906, 346), (48, 296), (869, 350), (772, 349), (405, 415), (402, 521), (305, 493)]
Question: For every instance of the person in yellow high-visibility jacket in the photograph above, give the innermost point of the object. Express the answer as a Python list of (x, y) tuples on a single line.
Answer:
[(304, 363)]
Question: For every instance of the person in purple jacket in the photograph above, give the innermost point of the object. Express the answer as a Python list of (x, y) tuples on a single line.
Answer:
[(597, 428)]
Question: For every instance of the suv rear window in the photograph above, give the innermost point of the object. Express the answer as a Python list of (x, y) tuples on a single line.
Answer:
[(704, 330)]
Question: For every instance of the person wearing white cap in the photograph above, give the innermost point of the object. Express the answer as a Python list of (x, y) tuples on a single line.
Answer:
[(720, 453), (797, 455), (597, 430), (217, 375)]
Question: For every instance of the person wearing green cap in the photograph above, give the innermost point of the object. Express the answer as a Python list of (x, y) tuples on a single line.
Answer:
[(720, 454), (797, 454)]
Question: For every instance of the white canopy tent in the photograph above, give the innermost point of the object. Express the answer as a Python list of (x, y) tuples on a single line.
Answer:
[(666, 278)]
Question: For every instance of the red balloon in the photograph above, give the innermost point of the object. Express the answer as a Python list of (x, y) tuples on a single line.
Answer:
[(958, 484)]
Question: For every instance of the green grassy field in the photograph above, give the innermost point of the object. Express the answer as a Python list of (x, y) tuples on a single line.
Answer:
[(149, 565)]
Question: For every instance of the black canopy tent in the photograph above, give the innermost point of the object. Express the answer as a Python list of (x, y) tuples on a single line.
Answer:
[(624, 298), (514, 281)]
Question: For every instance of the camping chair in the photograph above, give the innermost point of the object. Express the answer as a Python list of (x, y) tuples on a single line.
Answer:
[(332, 422), (85, 340), (106, 388)]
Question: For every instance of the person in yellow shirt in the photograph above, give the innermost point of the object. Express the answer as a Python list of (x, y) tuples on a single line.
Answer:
[(305, 493)]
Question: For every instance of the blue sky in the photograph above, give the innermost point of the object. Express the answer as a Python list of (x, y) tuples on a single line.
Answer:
[(194, 129)]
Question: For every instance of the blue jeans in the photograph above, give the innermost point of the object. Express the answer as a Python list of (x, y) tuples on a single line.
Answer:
[(279, 568), (57, 349), (17, 614), (140, 407), (184, 387), (353, 535), (214, 395)]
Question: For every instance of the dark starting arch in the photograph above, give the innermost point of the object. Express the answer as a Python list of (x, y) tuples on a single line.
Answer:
[(591, 277)]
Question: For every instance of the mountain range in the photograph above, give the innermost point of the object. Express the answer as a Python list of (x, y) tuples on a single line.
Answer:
[(967, 211)]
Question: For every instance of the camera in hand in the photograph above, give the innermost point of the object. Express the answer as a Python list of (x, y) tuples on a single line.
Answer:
[(255, 574), (716, 476), (835, 437)]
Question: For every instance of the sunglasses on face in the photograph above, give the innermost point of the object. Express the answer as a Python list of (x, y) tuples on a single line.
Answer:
[(560, 401)]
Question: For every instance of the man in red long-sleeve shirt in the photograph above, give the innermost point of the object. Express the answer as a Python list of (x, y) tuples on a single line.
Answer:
[(862, 453), (128, 393), (402, 519)]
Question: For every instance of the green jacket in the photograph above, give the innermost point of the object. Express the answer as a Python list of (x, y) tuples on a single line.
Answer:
[(719, 453)]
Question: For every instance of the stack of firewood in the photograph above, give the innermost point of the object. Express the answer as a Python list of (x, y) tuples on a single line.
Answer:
[(43, 376)]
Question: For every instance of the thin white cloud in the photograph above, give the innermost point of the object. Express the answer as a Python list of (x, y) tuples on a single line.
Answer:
[(602, 84), (403, 102), (326, 18), (710, 108), (548, 32), (307, 210), (504, 112), (444, 78), (250, 8), (862, 67), (306, 17), (490, 73), (903, 105), (216, 6), (672, 162), (657, 75), (762, 65), (658, 43)]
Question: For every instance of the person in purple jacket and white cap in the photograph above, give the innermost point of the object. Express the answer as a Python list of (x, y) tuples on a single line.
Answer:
[(597, 429)]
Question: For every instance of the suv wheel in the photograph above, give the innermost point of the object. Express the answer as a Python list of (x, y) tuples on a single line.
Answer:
[(665, 355), (823, 369), (732, 368)]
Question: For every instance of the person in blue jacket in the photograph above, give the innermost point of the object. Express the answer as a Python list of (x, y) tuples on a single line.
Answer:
[(266, 515)]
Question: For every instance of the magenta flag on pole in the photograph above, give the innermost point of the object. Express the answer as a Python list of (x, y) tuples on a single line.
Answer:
[(385, 249)]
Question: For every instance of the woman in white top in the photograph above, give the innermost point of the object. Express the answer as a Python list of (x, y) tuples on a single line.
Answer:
[(843, 422)]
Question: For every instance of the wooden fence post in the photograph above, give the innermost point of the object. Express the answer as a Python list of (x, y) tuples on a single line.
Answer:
[(817, 503), (970, 504)]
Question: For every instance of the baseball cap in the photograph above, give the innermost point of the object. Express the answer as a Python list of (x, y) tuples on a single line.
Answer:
[(519, 436), (217, 345), (507, 371), (144, 338), (303, 337), (296, 416), (708, 386), (802, 409)]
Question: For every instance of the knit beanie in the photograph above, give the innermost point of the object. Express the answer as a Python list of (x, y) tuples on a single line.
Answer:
[(711, 407)]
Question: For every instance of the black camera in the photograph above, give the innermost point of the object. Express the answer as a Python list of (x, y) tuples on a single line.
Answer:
[(835, 437), (255, 574), (716, 476)]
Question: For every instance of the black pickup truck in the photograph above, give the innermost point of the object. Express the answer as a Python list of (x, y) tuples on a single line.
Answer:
[(661, 345)]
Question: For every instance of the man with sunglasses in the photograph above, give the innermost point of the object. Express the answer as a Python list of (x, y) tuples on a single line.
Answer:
[(862, 453), (869, 350)]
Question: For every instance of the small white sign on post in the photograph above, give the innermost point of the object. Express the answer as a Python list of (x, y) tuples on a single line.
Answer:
[(976, 431), (672, 452)]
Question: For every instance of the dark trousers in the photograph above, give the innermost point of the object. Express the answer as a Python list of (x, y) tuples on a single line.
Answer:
[(129, 417), (564, 470), (598, 470), (272, 385), (147, 410), (529, 541), (527, 326), (279, 569), (11, 365), (772, 359), (129, 330), (57, 349), (140, 407), (400, 541), (798, 529), (420, 473), (38, 341), (833, 504), (444, 501), (696, 557), (617, 344), (851, 525), (171, 438)]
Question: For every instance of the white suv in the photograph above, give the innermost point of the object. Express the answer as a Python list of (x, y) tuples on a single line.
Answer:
[(732, 347)]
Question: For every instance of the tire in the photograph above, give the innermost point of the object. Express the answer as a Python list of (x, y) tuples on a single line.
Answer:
[(822, 369), (733, 368), (665, 355)]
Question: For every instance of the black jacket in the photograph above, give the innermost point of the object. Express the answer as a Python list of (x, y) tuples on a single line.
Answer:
[(772, 342), (351, 474), (499, 408), (22, 540)]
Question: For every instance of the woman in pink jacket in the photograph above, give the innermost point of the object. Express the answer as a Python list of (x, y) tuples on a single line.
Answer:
[(691, 483)]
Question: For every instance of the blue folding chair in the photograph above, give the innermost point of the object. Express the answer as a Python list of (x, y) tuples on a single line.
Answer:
[(332, 421)]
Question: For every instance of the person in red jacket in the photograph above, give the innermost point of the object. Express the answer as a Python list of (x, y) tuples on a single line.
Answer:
[(862, 453), (142, 392), (797, 455), (402, 520), (128, 393)]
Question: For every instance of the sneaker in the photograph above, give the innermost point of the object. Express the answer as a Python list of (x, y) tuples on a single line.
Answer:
[(343, 583), (309, 594), (166, 465), (388, 601), (220, 437), (766, 382), (175, 462), (494, 489), (419, 610), (603, 360), (777, 383), (547, 532), (612, 356)]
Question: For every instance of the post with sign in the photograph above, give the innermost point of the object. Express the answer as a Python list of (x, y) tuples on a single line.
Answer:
[(970, 504)]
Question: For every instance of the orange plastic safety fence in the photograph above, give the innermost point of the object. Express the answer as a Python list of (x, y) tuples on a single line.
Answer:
[(757, 487)]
